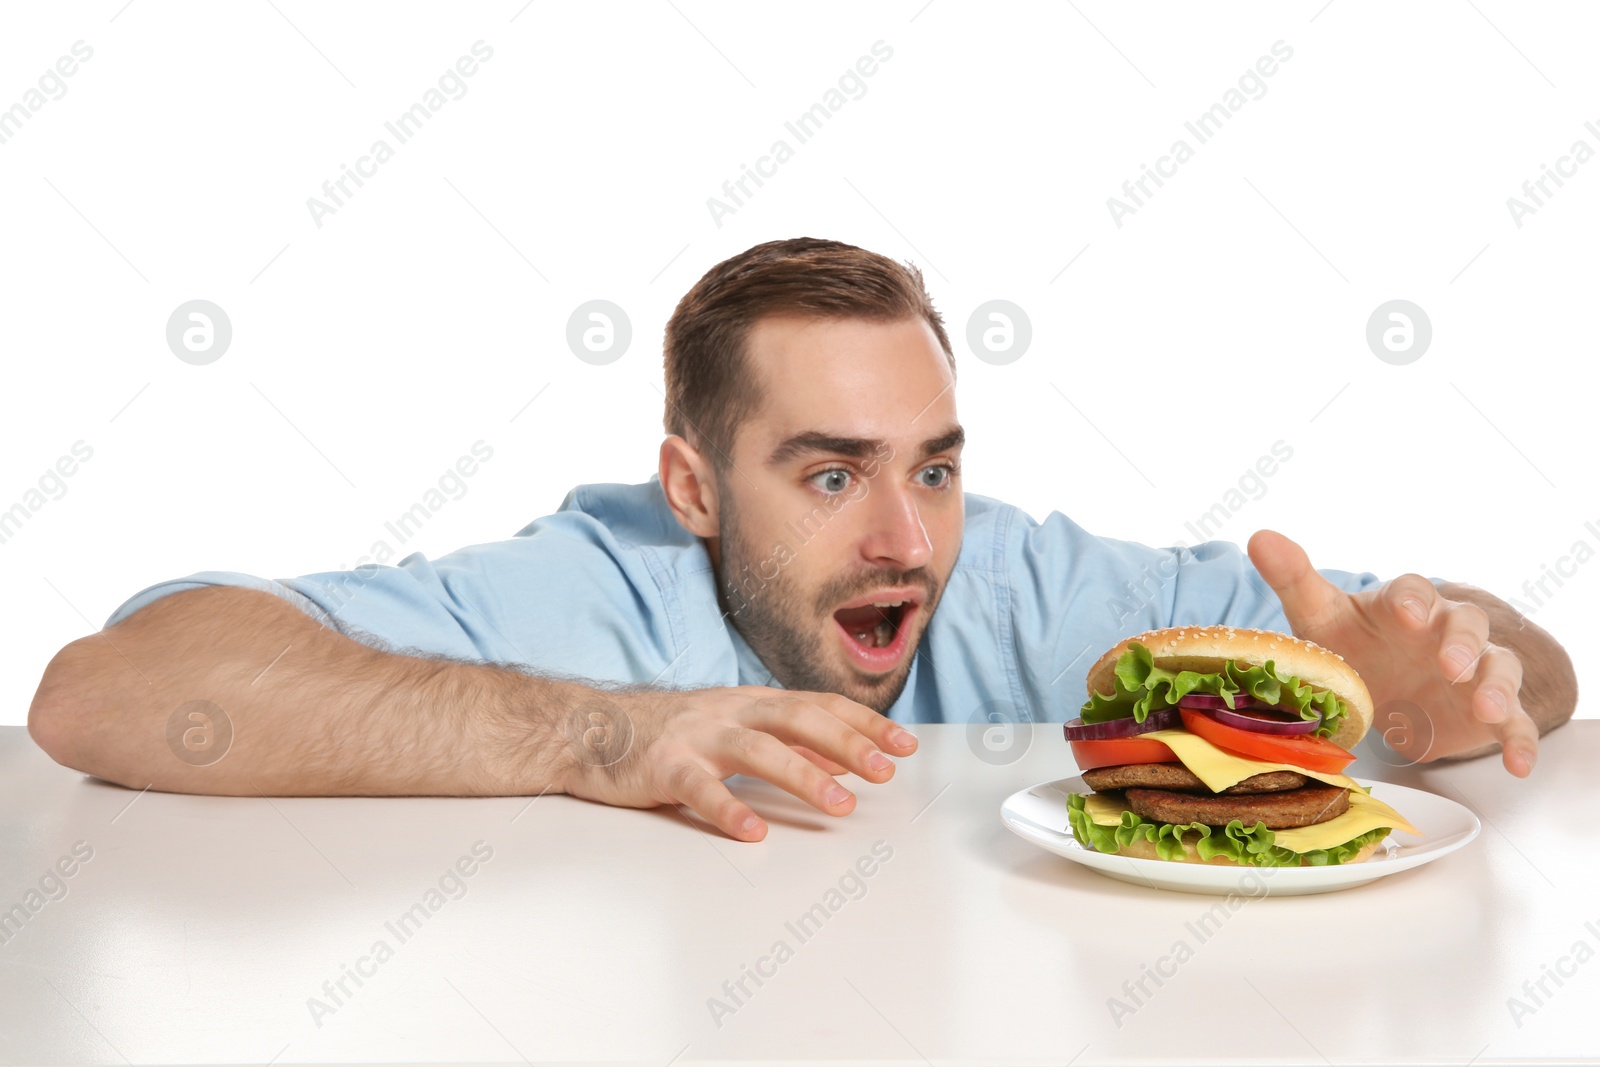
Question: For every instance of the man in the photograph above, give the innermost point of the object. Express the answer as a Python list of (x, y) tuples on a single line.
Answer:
[(803, 575)]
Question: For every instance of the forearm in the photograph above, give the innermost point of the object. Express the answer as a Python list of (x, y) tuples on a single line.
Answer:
[(1549, 691), (312, 712)]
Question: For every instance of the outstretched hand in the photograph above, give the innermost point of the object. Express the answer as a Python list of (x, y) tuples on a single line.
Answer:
[(1418, 652)]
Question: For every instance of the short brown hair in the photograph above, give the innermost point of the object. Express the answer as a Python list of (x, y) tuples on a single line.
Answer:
[(710, 391)]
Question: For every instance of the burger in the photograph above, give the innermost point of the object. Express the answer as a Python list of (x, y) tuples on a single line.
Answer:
[(1210, 744)]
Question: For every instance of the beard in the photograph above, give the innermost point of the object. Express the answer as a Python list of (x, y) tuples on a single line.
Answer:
[(790, 630)]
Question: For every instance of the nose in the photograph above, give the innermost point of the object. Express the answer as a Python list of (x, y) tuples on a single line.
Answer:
[(895, 536)]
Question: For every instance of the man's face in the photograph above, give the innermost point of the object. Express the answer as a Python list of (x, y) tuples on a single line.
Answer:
[(843, 490)]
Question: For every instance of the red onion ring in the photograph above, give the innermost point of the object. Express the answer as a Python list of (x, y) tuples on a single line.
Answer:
[(1163, 719), (1265, 720)]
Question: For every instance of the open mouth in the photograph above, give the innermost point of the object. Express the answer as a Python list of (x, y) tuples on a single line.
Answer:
[(874, 631)]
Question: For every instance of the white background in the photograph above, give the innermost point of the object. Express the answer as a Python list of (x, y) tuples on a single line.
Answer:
[(425, 314)]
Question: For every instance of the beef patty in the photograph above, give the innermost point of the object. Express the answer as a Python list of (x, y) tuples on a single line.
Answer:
[(1305, 806), (1177, 776)]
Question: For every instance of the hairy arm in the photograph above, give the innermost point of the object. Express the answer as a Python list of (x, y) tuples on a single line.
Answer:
[(1549, 692), (312, 712)]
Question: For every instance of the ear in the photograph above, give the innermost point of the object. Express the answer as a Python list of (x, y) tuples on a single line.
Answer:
[(690, 486)]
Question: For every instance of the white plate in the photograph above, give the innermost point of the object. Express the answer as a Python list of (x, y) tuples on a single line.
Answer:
[(1039, 814)]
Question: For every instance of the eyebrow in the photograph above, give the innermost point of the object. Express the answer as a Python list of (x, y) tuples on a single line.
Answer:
[(811, 442)]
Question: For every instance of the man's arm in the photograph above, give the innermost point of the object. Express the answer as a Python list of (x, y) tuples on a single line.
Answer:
[(313, 712), (1549, 690), (316, 713)]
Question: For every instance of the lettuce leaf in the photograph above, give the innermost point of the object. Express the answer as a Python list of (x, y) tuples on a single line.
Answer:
[(1251, 847), (1142, 687)]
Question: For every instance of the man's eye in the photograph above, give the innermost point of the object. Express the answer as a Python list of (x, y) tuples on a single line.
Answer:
[(941, 475), (831, 481)]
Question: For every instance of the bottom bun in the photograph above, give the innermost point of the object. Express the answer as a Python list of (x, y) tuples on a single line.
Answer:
[(1146, 850)]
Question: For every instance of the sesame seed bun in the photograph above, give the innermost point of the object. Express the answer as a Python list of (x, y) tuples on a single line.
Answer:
[(1206, 648)]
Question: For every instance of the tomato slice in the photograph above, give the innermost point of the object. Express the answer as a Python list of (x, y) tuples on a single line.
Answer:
[(1117, 751), (1308, 751)]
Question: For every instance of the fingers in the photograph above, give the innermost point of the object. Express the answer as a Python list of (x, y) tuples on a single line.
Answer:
[(821, 761), (761, 755), (1495, 696), (1412, 600), (1463, 627), (797, 741), (1495, 701), (800, 721), (1465, 655), (1309, 600), (1465, 639), (884, 732), (704, 793), (1519, 743)]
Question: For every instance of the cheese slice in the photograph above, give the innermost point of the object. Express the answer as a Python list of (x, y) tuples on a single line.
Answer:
[(1219, 769), (1366, 813), (1103, 810)]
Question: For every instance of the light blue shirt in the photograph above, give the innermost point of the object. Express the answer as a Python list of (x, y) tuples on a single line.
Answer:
[(611, 587)]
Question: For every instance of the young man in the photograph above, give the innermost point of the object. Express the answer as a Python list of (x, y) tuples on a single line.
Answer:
[(803, 575)]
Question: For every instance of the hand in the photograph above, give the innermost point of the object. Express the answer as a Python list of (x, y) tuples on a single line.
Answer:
[(642, 750), (1411, 646)]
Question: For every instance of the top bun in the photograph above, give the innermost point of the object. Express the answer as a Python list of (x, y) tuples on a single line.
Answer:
[(1206, 648)]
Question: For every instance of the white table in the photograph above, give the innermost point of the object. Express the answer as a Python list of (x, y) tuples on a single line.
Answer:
[(201, 926)]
